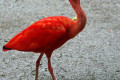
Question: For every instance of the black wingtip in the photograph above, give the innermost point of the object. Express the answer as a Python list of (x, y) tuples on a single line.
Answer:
[(6, 48)]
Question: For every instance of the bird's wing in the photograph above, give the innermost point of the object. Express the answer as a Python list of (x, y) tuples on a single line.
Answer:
[(39, 36)]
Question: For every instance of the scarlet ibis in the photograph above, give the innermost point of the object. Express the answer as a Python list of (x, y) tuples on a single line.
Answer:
[(48, 34)]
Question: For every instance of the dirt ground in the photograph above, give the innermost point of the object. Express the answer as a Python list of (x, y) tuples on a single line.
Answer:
[(94, 54)]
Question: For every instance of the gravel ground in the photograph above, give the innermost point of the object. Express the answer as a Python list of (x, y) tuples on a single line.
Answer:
[(94, 54)]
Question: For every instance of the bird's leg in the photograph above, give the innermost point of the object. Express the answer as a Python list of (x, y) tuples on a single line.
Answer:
[(50, 69), (37, 66)]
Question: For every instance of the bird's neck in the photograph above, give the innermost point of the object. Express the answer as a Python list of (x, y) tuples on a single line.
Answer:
[(78, 25), (81, 19)]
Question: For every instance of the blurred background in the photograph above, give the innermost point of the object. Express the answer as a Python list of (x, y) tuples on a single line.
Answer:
[(94, 54)]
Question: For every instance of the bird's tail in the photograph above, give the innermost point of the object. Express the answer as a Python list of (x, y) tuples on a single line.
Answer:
[(5, 48)]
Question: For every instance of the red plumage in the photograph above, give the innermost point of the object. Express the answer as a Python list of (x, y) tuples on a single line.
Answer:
[(44, 35), (48, 34)]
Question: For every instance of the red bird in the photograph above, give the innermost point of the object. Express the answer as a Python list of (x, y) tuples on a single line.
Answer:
[(48, 34)]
